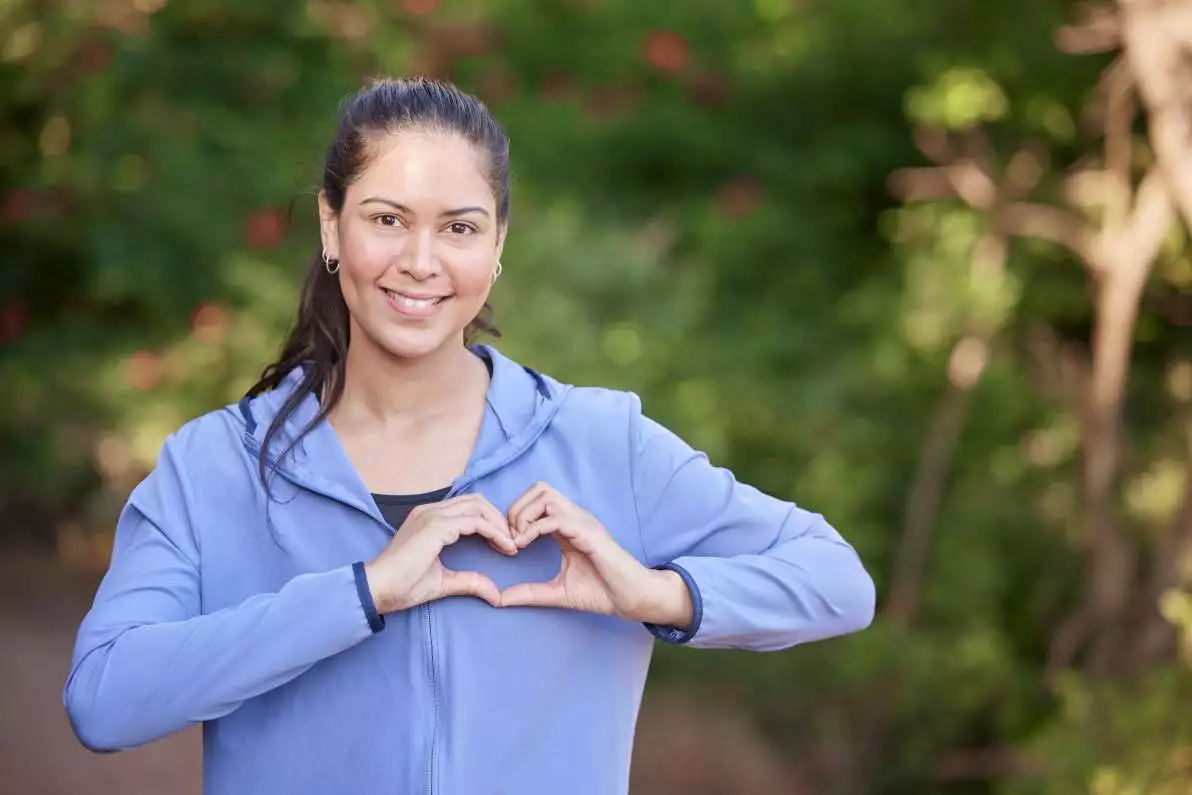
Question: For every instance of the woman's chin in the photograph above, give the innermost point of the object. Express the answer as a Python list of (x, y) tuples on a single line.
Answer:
[(408, 340), (415, 344)]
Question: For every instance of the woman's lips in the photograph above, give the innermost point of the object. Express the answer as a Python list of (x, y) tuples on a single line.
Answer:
[(416, 306)]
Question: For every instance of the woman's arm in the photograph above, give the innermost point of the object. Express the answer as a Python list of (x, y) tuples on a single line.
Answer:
[(764, 574), (147, 662)]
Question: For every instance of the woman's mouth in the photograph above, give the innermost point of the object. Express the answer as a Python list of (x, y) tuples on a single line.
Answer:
[(414, 305)]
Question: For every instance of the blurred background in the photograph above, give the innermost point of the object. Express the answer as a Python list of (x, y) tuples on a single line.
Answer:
[(921, 266)]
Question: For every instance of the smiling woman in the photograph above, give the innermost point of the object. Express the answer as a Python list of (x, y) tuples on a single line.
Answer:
[(412, 235), (405, 563)]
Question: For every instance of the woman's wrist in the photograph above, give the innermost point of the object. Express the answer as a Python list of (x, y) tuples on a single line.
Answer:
[(668, 602), (381, 600)]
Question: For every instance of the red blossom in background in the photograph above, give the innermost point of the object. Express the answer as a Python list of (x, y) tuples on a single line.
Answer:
[(19, 204), (209, 323), (143, 370), (419, 7), (666, 51), (738, 198), (14, 319), (558, 87), (93, 56), (264, 228)]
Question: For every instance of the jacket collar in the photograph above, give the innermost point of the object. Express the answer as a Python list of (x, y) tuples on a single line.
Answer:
[(515, 393), (519, 404)]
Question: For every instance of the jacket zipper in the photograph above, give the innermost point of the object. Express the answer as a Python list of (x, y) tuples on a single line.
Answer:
[(436, 693), (432, 762)]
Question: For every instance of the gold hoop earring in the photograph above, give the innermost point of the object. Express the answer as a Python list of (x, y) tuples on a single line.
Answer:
[(332, 265), (497, 272)]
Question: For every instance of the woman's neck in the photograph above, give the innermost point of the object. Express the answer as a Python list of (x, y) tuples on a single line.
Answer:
[(380, 389)]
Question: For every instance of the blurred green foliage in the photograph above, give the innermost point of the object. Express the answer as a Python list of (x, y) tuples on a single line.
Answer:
[(701, 214)]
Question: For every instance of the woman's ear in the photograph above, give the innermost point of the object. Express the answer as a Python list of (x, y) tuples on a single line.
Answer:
[(328, 227), (501, 231)]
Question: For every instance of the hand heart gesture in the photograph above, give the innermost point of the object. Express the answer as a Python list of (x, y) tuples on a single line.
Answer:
[(596, 575), (408, 571)]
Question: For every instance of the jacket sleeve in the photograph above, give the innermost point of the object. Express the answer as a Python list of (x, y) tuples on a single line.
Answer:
[(147, 662), (764, 574)]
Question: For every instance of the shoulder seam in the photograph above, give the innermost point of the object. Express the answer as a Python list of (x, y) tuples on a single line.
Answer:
[(633, 402), (250, 422), (169, 452)]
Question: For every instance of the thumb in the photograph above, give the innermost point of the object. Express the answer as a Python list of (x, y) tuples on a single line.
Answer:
[(470, 583), (533, 594)]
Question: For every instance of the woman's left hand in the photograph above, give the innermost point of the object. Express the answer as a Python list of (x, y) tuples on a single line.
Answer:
[(597, 575)]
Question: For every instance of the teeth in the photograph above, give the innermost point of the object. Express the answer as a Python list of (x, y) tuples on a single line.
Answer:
[(413, 303)]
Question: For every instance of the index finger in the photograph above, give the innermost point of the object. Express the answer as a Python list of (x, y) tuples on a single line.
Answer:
[(531, 494), (470, 504), (496, 533)]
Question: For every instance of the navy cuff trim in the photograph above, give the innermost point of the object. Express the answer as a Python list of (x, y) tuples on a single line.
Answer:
[(674, 634), (376, 621)]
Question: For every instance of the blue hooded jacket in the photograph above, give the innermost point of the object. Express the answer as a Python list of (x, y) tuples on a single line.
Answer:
[(251, 614)]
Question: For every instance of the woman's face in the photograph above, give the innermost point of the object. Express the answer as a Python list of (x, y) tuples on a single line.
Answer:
[(417, 242)]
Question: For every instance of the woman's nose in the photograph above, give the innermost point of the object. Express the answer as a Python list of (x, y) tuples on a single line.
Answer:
[(420, 260)]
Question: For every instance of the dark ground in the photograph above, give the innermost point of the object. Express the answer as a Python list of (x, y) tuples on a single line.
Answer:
[(40, 607)]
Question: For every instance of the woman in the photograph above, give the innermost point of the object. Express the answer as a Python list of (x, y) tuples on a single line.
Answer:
[(497, 640)]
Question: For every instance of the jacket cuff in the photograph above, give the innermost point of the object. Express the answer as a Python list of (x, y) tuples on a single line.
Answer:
[(674, 634), (376, 621)]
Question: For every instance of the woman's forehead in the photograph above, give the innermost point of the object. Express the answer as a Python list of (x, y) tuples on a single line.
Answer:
[(425, 164)]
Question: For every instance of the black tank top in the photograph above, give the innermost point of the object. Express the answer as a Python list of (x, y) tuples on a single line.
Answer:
[(396, 507)]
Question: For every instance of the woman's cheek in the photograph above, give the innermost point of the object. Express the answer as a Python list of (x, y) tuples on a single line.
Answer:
[(375, 252)]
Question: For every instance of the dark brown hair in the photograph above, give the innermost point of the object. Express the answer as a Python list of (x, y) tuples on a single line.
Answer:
[(318, 341)]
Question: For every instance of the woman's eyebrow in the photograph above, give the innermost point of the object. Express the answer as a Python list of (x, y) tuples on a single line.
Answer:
[(403, 208)]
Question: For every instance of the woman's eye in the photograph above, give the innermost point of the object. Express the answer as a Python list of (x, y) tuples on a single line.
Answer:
[(388, 220), (460, 228)]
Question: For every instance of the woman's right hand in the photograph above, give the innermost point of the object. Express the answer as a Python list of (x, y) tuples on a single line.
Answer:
[(408, 572)]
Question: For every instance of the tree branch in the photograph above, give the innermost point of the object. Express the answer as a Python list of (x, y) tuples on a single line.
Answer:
[(965, 179), (1097, 30), (1126, 252), (1156, 635), (1025, 168), (1117, 84), (1129, 253), (1056, 225), (922, 184), (1149, 223), (933, 143), (1157, 37), (931, 479)]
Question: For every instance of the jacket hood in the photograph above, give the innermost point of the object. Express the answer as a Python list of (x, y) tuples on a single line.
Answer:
[(521, 402)]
